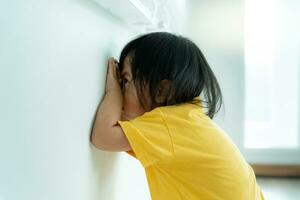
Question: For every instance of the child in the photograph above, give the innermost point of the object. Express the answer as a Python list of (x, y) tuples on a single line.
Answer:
[(186, 156)]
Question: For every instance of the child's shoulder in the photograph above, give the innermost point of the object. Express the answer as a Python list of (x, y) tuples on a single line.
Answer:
[(182, 110)]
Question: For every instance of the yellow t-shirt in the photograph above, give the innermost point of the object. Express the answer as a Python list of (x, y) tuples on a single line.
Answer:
[(186, 156)]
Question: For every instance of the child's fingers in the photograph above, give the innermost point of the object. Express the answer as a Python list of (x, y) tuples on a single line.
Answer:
[(112, 68), (109, 70), (117, 69)]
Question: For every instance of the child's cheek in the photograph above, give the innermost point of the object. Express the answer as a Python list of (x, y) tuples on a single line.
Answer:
[(132, 107)]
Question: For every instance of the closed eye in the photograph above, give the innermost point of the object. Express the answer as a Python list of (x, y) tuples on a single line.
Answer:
[(124, 81)]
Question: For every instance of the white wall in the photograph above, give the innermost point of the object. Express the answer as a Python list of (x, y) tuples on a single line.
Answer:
[(52, 72), (53, 58)]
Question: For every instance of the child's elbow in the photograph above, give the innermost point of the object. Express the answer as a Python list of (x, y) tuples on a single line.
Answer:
[(96, 141)]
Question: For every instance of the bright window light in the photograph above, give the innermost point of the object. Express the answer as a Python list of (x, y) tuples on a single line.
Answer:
[(272, 61)]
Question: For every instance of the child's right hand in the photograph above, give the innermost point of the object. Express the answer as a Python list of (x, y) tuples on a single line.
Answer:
[(112, 76)]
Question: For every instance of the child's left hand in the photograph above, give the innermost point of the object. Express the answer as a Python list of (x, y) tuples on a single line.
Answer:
[(112, 76)]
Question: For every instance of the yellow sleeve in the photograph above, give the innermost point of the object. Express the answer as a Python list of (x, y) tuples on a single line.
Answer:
[(149, 138)]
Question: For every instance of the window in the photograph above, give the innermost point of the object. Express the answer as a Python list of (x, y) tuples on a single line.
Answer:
[(272, 62)]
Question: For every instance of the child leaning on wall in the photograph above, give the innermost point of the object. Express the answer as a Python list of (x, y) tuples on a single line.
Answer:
[(152, 110)]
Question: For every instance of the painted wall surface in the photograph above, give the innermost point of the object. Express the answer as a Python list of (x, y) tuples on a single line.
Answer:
[(52, 77)]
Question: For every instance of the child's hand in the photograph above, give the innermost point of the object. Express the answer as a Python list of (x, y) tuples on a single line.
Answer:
[(112, 76)]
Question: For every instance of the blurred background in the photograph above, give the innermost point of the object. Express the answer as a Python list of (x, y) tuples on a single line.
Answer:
[(53, 57)]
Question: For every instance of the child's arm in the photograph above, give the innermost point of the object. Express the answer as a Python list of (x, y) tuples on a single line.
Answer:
[(106, 133)]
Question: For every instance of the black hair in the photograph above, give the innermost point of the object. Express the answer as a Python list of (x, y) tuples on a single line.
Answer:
[(161, 55)]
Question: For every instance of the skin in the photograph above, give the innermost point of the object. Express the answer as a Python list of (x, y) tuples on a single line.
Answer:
[(131, 105), (118, 105)]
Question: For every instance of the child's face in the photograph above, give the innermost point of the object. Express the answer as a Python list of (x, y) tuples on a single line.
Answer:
[(131, 105)]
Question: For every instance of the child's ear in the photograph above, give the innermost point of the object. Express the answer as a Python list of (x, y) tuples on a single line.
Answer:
[(162, 91)]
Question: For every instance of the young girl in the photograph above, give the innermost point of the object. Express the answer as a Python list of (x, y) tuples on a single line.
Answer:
[(152, 110)]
